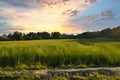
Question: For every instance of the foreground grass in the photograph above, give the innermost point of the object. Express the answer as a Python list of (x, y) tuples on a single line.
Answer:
[(59, 54)]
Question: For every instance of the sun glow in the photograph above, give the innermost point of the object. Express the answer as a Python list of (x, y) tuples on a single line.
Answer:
[(47, 15)]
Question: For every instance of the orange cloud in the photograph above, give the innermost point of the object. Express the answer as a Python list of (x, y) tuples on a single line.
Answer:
[(48, 15)]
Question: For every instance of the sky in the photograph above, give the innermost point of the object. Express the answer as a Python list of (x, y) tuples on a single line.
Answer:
[(65, 16)]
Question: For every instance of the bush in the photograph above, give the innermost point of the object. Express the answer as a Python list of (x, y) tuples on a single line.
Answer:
[(78, 78), (59, 78), (96, 76)]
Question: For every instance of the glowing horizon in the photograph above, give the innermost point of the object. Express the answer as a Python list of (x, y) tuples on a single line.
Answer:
[(65, 16)]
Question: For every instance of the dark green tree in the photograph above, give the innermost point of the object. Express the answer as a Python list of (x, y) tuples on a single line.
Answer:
[(10, 36), (44, 35), (17, 36), (56, 35), (106, 32), (4, 38)]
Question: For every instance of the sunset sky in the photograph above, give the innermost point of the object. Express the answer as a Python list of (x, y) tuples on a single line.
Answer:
[(65, 16)]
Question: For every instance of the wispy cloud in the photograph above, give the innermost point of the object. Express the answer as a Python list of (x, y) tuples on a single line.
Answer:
[(56, 15)]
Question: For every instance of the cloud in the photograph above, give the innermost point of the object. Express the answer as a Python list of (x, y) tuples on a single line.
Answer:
[(6, 28), (52, 6), (71, 12), (2, 17), (104, 15), (41, 15), (107, 14), (57, 7), (19, 3), (104, 19), (3, 23), (32, 3), (91, 1), (65, 0)]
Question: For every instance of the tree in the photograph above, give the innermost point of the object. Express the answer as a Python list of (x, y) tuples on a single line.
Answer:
[(28, 36), (10, 36), (35, 36), (4, 38), (56, 35), (115, 32), (44, 35), (106, 32), (72, 36), (17, 36), (64, 36)]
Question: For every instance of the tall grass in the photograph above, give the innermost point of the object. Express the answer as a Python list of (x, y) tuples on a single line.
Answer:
[(56, 53)]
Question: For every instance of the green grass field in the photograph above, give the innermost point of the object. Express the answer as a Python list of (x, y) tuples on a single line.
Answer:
[(60, 53)]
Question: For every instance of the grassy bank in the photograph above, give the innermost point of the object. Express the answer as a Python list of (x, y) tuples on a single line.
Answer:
[(59, 53), (24, 75)]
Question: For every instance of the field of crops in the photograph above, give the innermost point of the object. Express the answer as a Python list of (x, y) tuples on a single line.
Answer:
[(59, 53)]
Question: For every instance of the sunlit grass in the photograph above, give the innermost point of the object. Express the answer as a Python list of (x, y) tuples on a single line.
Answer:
[(56, 53)]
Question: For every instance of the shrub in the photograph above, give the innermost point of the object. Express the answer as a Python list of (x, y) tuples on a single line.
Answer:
[(96, 76)]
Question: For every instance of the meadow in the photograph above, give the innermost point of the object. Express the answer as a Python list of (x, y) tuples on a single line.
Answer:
[(66, 53)]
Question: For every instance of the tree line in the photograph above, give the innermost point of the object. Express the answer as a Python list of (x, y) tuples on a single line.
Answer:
[(106, 33)]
